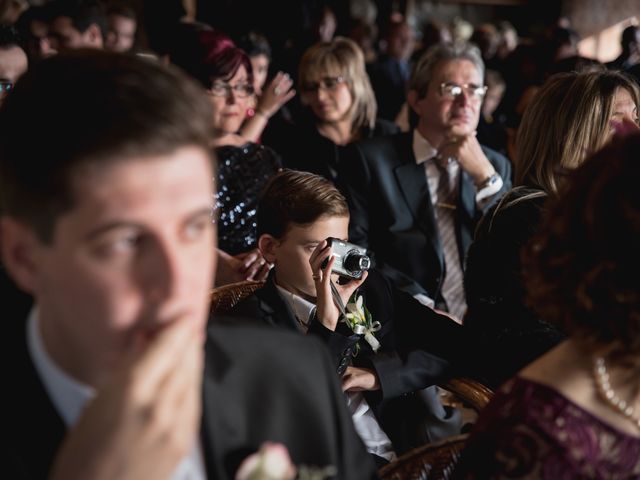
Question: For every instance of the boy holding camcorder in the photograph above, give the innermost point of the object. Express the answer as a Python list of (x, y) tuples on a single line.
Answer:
[(387, 346)]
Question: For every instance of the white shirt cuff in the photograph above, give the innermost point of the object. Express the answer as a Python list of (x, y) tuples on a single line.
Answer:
[(489, 190)]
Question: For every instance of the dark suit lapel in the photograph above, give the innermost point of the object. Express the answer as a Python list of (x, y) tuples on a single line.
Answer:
[(273, 309), (413, 185), (218, 363)]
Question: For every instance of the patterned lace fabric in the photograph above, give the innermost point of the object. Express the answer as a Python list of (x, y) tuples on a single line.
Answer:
[(242, 174), (531, 431)]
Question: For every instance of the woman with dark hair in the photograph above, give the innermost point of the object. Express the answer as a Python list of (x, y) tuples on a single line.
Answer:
[(243, 167), (575, 412)]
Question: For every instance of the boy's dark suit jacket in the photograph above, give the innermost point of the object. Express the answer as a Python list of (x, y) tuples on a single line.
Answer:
[(391, 211), (259, 385), (418, 348)]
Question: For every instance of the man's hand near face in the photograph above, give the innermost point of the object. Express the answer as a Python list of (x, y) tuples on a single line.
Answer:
[(145, 420), (465, 148), (326, 309)]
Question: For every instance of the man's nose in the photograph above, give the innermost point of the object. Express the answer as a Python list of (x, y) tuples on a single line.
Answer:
[(464, 98)]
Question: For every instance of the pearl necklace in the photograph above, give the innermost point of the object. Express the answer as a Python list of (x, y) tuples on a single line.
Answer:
[(609, 395)]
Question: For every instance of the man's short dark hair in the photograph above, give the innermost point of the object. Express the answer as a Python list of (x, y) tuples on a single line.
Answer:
[(89, 108), (299, 198), (83, 14), (9, 37)]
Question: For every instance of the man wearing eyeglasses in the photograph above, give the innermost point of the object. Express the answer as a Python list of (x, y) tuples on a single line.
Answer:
[(416, 197)]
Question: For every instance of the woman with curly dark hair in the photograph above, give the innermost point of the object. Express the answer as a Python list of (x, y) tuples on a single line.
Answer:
[(575, 412)]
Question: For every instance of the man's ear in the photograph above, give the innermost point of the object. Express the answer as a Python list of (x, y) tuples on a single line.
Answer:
[(94, 35), (267, 245), (19, 245), (412, 100)]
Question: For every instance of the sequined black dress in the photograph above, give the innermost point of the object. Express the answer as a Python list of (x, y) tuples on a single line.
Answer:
[(242, 174)]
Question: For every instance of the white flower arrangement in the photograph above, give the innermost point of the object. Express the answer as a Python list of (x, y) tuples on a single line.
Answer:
[(272, 462), (358, 317)]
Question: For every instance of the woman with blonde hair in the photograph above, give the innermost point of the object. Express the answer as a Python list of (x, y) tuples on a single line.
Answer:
[(575, 411), (340, 108), (572, 116)]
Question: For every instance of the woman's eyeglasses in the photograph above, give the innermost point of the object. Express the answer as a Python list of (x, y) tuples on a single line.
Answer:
[(452, 91), (326, 83), (222, 89)]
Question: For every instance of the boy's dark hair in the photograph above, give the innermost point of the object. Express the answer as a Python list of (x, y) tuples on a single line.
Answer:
[(83, 14), (300, 198), (123, 9), (255, 44), (89, 108)]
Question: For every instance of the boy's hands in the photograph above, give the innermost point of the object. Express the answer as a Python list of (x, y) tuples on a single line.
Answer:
[(326, 309), (356, 379)]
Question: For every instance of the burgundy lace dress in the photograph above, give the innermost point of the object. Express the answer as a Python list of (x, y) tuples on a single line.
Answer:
[(531, 431)]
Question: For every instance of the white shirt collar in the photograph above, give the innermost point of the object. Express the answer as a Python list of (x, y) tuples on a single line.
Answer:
[(422, 149), (68, 395), (301, 307)]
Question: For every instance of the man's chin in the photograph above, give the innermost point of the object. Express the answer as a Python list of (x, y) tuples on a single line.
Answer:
[(461, 128)]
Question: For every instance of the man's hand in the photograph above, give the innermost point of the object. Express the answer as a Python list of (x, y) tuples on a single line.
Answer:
[(466, 150), (146, 418), (359, 379), (326, 309)]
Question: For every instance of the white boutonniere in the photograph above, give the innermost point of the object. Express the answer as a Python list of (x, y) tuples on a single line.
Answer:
[(359, 320), (272, 462)]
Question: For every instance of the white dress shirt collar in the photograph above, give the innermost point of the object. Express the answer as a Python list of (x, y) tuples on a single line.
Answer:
[(422, 149), (68, 395), (302, 308)]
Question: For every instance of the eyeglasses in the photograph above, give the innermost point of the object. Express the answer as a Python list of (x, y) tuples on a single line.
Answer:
[(5, 87), (452, 91), (326, 83), (222, 89)]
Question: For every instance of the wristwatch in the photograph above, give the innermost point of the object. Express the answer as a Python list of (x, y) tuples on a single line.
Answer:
[(489, 181)]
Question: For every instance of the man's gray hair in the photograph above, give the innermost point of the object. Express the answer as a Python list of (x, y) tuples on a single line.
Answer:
[(442, 52)]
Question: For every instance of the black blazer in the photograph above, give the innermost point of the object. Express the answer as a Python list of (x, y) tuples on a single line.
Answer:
[(303, 148), (418, 347), (391, 210), (259, 385)]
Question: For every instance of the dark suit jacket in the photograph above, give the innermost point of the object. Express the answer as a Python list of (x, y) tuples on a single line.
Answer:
[(303, 148), (259, 385), (391, 210), (418, 348)]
